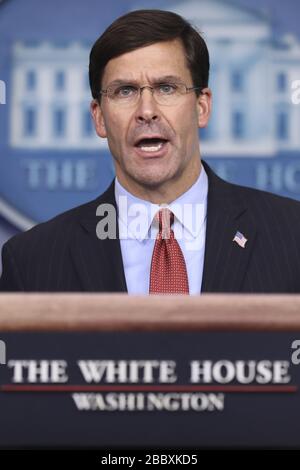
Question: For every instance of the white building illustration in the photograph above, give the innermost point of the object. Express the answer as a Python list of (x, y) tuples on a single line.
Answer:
[(251, 78), (2, 92), (51, 97)]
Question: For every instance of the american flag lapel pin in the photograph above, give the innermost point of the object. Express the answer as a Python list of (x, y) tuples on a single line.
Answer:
[(240, 239)]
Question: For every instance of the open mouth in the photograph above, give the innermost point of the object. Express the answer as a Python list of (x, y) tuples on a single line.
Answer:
[(152, 144)]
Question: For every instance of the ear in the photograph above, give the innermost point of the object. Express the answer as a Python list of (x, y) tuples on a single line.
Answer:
[(204, 103), (98, 118)]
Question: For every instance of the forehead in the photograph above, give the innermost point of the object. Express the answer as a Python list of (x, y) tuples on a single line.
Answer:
[(147, 63)]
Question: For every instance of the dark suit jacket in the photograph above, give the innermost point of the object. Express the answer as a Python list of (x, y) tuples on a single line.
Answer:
[(64, 254)]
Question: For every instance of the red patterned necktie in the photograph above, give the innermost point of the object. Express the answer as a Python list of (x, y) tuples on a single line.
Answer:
[(168, 270)]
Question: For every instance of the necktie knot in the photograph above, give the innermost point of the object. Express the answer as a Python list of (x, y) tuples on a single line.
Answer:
[(165, 219)]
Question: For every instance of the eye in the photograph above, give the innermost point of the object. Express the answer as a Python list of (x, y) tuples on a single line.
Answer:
[(167, 88), (124, 91)]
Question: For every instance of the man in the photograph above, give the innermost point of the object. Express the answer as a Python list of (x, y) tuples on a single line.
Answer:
[(149, 80)]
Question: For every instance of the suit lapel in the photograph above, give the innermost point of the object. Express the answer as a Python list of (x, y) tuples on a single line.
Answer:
[(98, 263), (225, 262)]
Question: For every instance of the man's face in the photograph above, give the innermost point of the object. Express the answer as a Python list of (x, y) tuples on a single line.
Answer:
[(173, 159)]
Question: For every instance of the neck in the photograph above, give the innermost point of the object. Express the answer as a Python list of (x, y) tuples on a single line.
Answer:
[(167, 192)]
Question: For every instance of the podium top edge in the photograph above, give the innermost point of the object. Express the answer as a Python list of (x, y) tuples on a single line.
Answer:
[(67, 312)]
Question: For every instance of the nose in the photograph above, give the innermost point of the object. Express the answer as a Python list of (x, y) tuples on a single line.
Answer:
[(146, 109)]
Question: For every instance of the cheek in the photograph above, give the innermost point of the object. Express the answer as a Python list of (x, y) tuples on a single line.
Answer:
[(119, 128), (115, 130), (186, 117), (187, 125)]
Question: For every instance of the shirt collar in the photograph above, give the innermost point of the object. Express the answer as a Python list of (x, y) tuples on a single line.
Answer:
[(136, 215)]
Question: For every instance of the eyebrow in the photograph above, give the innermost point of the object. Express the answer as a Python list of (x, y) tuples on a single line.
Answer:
[(163, 79)]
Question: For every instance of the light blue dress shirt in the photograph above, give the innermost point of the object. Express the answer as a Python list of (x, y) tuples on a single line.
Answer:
[(138, 230)]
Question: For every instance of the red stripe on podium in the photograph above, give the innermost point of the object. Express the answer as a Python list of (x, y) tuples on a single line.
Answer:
[(152, 388)]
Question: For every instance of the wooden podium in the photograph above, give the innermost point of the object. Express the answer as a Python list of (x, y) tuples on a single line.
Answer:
[(118, 371)]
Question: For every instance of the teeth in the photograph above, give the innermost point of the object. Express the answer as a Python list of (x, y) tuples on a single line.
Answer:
[(153, 148)]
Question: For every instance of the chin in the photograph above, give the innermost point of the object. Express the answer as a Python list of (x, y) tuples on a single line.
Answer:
[(152, 180)]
